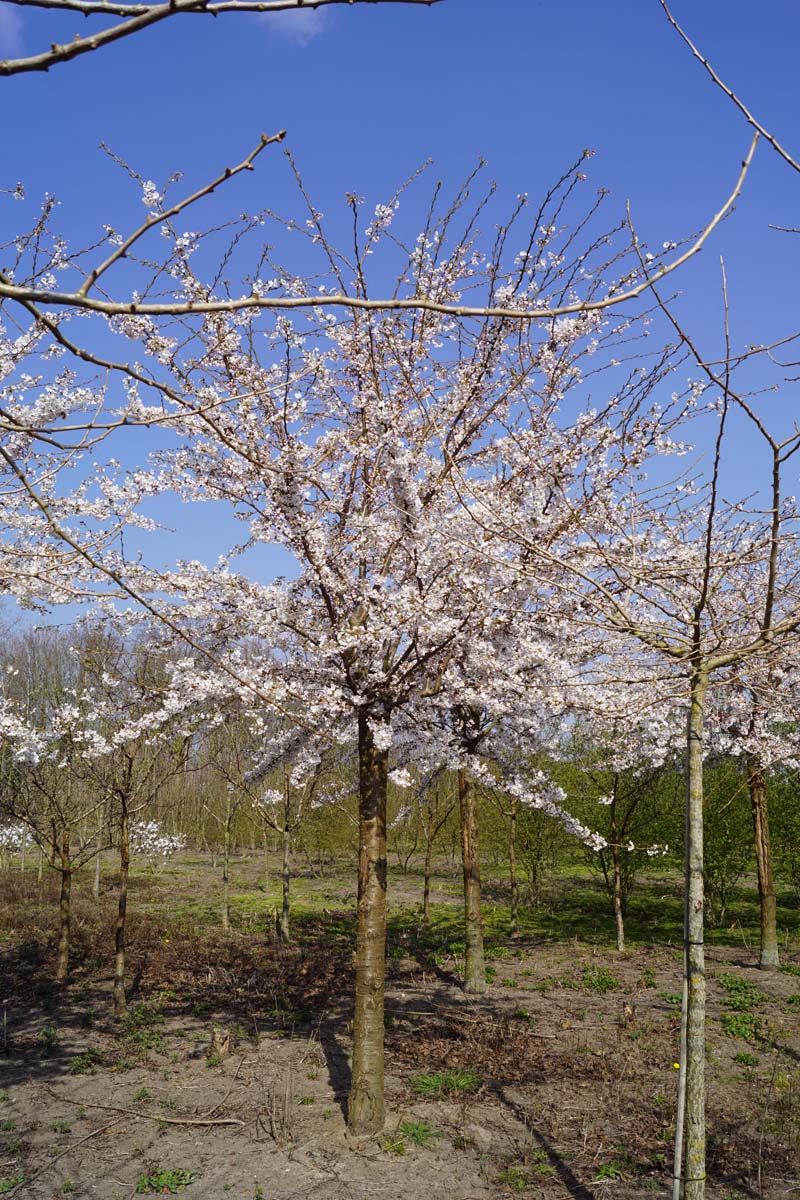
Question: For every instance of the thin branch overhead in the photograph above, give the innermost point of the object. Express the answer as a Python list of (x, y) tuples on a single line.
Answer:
[(135, 17), (729, 92), (45, 297)]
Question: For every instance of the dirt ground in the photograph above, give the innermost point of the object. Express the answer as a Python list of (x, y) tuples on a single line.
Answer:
[(229, 1074)]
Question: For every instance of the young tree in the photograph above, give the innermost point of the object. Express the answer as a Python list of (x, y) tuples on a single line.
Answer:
[(135, 748), (344, 440), (46, 722), (754, 720), (703, 585)]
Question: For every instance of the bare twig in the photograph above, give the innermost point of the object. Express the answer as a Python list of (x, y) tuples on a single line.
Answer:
[(743, 109), (132, 1112), (109, 308), (32, 1178), (158, 218)]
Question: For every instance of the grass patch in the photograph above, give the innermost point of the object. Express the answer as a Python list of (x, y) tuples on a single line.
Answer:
[(599, 979), (447, 1084), (514, 1178), (419, 1133)]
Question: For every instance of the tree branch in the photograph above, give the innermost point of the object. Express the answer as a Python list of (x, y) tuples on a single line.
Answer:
[(140, 16), (743, 109), (109, 308)]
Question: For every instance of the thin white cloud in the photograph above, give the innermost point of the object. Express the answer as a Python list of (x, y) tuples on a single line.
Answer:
[(10, 29), (296, 25)]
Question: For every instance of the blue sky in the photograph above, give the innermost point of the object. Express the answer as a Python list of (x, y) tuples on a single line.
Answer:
[(369, 92)]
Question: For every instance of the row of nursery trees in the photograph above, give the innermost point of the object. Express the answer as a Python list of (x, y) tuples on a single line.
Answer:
[(498, 548), (77, 783)]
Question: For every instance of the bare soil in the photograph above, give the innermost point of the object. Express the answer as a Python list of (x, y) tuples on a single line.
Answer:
[(571, 1054)]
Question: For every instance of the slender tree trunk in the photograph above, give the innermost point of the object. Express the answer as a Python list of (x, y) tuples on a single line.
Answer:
[(426, 886), (40, 870), (757, 785), (266, 862), (23, 849), (694, 954), (283, 923), (120, 1001), (226, 862), (474, 968), (96, 880), (619, 918), (366, 1103), (512, 871), (64, 908)]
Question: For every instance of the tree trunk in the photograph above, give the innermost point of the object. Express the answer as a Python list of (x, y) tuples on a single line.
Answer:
[(283, 923), (474, 967), (120, 1001), (366, 1105), (266, 862), (64, 908), (426, 886), (512, 871), (619, 916), (694, 955), (757, 784), (96, 880), (226, 859)]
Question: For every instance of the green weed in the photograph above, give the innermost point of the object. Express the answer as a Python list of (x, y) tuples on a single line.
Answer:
[(393, 1143), (138, 1025), (610, 1170), (419, 1133), (599, 979), (164, 1179), (48, 1036), (447, 1084), (740, 994), (85, 1064), (743, 1025), (513, 1178)]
